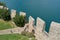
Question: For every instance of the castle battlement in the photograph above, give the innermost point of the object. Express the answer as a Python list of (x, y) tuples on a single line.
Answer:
[(13, 13), (39, 29), (40, 33), (23, 13)]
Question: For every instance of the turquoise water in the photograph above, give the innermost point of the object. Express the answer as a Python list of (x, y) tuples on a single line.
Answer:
[(48, 10)]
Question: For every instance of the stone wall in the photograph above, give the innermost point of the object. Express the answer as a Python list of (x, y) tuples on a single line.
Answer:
[(40, 28), (31, 24), (40, 33), (22, 13), (40, 24), (13, 13), (54, 32), (1, 7)]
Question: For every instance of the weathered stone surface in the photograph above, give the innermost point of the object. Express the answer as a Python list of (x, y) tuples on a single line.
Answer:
[(41, 36), (23, 13), (40, 28), (31, 24), (13, 13), (40, 33), (40, 24), (12, 30), (54, 33), (26, 27), (1, 7)]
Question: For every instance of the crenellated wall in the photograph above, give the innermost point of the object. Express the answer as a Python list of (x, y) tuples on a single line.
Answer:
[(13, 13), (40, 33), (39, 29), (54, 33), (31, 24)]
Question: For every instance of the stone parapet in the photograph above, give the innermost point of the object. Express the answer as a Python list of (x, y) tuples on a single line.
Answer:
[(54, 32), (31, 24), (13, 13), (23, 13), (1, 7)]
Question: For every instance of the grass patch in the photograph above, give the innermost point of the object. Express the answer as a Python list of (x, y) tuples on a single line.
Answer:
[(13, 37), (5, 25)]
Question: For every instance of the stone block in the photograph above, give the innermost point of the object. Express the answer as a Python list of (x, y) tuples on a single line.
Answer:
[(1, 7), (40, 24), (54, 32), (31, 23), (13, 13), (23, 13)]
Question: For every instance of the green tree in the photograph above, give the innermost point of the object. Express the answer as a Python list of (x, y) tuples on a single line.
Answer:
[(3, 4), (6, 15), (1, 11), (19, 20)]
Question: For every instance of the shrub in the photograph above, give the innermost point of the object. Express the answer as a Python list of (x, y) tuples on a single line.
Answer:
[(1, 11), (5, 14), (24, 33), (30, 35), (3, 4), (19, 20)]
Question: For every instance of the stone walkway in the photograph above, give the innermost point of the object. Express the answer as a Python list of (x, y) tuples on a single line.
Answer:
[(10, 31), (13, 30)]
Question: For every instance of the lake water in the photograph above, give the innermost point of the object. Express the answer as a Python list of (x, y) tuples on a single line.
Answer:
[(48, 10)]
